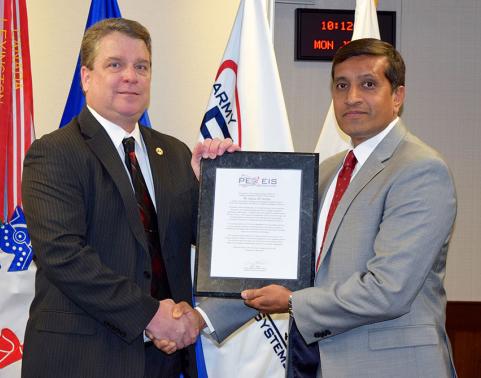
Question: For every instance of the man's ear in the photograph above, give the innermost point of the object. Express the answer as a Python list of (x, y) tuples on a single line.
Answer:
[(84, 78), (398, 98)]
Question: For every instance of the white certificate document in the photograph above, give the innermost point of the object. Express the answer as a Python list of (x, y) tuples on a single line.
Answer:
[(256, 223)]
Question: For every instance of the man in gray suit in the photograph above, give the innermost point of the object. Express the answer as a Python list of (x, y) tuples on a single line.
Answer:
[(377, 308), (111, 208)]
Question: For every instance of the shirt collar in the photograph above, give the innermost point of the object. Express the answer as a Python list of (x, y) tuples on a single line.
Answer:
[(364, 149), (115, 132)]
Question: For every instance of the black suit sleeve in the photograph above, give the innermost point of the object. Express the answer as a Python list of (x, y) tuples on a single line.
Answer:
[(55, 199)]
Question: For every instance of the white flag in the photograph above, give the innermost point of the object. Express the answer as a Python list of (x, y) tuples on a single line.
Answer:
[(246, 101), (332, 140), (247, 105), (365, 20)]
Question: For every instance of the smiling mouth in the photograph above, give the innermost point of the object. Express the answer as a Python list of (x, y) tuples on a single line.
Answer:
[(129, 93)]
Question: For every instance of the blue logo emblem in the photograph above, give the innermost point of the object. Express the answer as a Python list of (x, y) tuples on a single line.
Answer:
[(216, 114), (14, 239)]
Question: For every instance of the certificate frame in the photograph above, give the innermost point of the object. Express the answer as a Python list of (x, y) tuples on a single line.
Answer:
[(208, 285)]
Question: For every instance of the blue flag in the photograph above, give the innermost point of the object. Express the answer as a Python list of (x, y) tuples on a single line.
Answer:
[(99, 10), (199, 353)]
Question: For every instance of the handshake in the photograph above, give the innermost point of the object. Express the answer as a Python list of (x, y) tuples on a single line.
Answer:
[(174, 326)]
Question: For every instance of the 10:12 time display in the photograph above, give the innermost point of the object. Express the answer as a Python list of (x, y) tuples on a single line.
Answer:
[(334, 25), (320, 32)]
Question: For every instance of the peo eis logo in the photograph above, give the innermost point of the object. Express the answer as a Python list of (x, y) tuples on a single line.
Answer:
[(245, 180)]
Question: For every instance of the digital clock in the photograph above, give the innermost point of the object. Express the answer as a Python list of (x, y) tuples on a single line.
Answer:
[(320, 32)]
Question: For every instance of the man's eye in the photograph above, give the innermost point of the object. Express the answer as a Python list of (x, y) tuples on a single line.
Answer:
[(341, 86), (114, 65), (142, 67), (369, 84)]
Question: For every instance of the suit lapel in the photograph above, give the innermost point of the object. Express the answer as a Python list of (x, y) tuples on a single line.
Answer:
[(102, 147), (162, 179), (373, 165), (327, 174)]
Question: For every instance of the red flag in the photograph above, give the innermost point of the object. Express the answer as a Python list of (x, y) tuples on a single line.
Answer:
[(16, 135), (16, 101)]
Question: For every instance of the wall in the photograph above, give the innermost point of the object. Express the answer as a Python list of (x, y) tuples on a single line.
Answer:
[(438, 38), (464, 331)]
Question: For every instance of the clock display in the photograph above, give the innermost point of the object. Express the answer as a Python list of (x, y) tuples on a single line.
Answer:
[(343, 25), (320, 32)]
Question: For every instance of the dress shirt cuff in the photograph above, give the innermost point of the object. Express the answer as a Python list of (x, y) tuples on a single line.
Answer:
[(209, 328), (146, 339)]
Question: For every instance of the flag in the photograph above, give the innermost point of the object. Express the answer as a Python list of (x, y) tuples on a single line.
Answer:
[(16, 134), (246, 104), (99, 10), (332, 139), (365, 20)]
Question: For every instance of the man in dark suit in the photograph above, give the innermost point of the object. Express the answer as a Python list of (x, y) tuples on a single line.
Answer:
[(111, 210)]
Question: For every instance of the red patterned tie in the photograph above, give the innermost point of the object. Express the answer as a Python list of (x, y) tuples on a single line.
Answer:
[(159, 286), (343, 180)]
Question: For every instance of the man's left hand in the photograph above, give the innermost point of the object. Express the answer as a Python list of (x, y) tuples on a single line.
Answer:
[(270, 299)]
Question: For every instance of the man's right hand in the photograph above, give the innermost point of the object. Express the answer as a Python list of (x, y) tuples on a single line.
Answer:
[(181, 311), (169, 333), (210, 149)]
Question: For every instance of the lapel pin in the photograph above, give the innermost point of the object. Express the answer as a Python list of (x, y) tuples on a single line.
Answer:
[(159, 151)]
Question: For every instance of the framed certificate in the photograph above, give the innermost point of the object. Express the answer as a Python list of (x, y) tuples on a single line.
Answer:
[(257, 222)]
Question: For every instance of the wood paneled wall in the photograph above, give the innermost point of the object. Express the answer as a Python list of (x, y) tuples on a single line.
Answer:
[(463, 324)]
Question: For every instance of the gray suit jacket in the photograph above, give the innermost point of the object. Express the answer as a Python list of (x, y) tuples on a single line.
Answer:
[(92, 292), (378, 305)]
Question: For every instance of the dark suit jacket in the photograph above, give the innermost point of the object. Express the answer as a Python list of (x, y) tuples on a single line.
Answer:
[(92, 298)]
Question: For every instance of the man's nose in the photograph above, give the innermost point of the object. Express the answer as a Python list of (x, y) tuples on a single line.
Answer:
[(129, 74), (353, 95)]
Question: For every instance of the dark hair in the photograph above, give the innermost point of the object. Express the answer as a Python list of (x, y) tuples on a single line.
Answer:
[(93, 35), (396, 69)]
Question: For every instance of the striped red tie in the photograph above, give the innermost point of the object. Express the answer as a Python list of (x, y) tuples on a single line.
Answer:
[(343, 180), (159, 286)]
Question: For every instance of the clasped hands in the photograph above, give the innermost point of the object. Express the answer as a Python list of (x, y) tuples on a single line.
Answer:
[(174, 326)]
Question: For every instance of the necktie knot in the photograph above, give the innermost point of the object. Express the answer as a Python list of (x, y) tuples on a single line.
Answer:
[(129, 145), (350, 161)]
